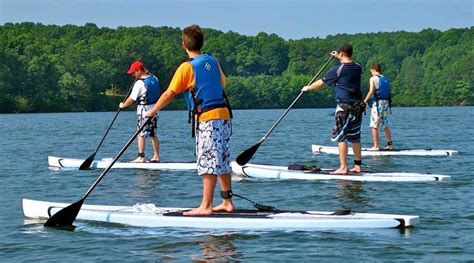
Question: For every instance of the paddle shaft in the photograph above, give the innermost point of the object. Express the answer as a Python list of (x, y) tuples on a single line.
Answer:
[(116, 114), (87, 162), (66, 216), (115, 159), (297, 98), (246, 155)]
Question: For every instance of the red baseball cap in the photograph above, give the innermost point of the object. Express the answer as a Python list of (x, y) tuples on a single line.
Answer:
[(136, 65)]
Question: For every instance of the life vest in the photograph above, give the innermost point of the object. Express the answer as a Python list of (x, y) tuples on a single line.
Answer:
[(153, 91), (383, 90), (208, 93)]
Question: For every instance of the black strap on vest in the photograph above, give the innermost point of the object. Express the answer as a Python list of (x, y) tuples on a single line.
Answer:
[(195, 115)]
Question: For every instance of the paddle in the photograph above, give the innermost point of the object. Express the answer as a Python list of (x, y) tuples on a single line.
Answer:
[(66, 216), (246, 155), (87, 163)]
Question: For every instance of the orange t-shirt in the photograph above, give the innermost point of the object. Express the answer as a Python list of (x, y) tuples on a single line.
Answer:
[(183, 80)]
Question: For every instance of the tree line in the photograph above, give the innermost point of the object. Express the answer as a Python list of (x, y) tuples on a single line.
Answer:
[(50, 68)]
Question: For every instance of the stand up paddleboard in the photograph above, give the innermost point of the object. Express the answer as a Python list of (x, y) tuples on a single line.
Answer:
[(57, 162), (317, 149), (149, 215), (310, 173)]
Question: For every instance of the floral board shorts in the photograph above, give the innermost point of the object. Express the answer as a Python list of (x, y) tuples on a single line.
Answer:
[(150, 128), (212, 147), (346, 126), (379, 110)]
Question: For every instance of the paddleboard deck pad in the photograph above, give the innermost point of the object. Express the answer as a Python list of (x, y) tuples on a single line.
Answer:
[(149, 215), (58, 163), (283, 172), (317, 149)]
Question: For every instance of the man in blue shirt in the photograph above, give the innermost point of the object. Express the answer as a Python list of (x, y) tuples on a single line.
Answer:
[(345, 78)]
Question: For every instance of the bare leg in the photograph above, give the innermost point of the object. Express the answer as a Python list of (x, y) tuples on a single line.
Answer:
[(156, 148), (388, 136), (208, 185), (357, 148), (141, 149), (342, 146), (375, 139), (226, 185)]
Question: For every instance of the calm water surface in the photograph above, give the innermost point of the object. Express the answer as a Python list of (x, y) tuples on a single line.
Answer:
[(445, 233)]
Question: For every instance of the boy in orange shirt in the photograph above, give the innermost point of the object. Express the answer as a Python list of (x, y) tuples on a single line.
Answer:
[(201, 80)]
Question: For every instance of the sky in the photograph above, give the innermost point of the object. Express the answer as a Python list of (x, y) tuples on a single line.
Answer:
[(290, 19)]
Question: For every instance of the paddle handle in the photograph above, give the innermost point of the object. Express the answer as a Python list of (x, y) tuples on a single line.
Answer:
[(297, 98), (115, 158)]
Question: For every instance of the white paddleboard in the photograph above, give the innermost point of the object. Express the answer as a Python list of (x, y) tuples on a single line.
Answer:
[(282, 172), (317, 149), (149, 215), (58, 162)]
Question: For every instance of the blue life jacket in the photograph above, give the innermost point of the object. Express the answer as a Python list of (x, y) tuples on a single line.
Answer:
[(153, 91), (383, 90), (208, 93)]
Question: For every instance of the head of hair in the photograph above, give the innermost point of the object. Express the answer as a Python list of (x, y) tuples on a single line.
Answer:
[(377, 67), (193, 38), (347, 49)]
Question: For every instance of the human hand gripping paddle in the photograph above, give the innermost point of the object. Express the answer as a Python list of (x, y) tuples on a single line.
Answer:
[(246, 155), (87, 162), (66, 216)]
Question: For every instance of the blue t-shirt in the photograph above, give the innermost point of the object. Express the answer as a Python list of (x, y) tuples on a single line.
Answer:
[(346, 83)]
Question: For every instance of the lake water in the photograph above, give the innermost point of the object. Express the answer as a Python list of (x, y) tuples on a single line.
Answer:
[(445, 232)]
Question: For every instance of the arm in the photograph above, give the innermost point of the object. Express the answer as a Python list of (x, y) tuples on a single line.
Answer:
[(134, 94), (317, 85), (179, 83), (371, 91), (127, 103)]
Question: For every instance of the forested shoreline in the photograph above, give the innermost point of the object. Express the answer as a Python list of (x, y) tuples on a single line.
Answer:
[(49, 68)]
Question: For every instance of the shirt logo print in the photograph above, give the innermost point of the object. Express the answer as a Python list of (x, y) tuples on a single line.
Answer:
[(207, 66)]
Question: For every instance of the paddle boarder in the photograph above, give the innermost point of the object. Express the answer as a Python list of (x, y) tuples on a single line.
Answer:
[(346, 79), (145, 94), (379, 93), (201, 80)]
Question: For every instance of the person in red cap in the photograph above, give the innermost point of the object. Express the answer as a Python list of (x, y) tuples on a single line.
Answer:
[(145, 93), (201, 81)]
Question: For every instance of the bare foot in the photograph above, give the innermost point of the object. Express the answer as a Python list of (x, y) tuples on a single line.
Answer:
[(225, 206), (373, 148), (139, 160), (356, 169), (199, 212), (339, 171)]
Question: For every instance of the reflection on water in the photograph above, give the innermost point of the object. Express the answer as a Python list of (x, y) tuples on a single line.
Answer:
[(204, 247), (352, 194), (144, 184), (218, 248)]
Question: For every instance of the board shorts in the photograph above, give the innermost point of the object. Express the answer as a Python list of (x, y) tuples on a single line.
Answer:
[(212, 147), (380, 109), (347, 122), (150, 129)]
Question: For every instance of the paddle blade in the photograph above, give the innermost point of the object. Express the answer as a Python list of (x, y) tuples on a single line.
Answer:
[(245, 156), (87, 163), (65, 217)]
